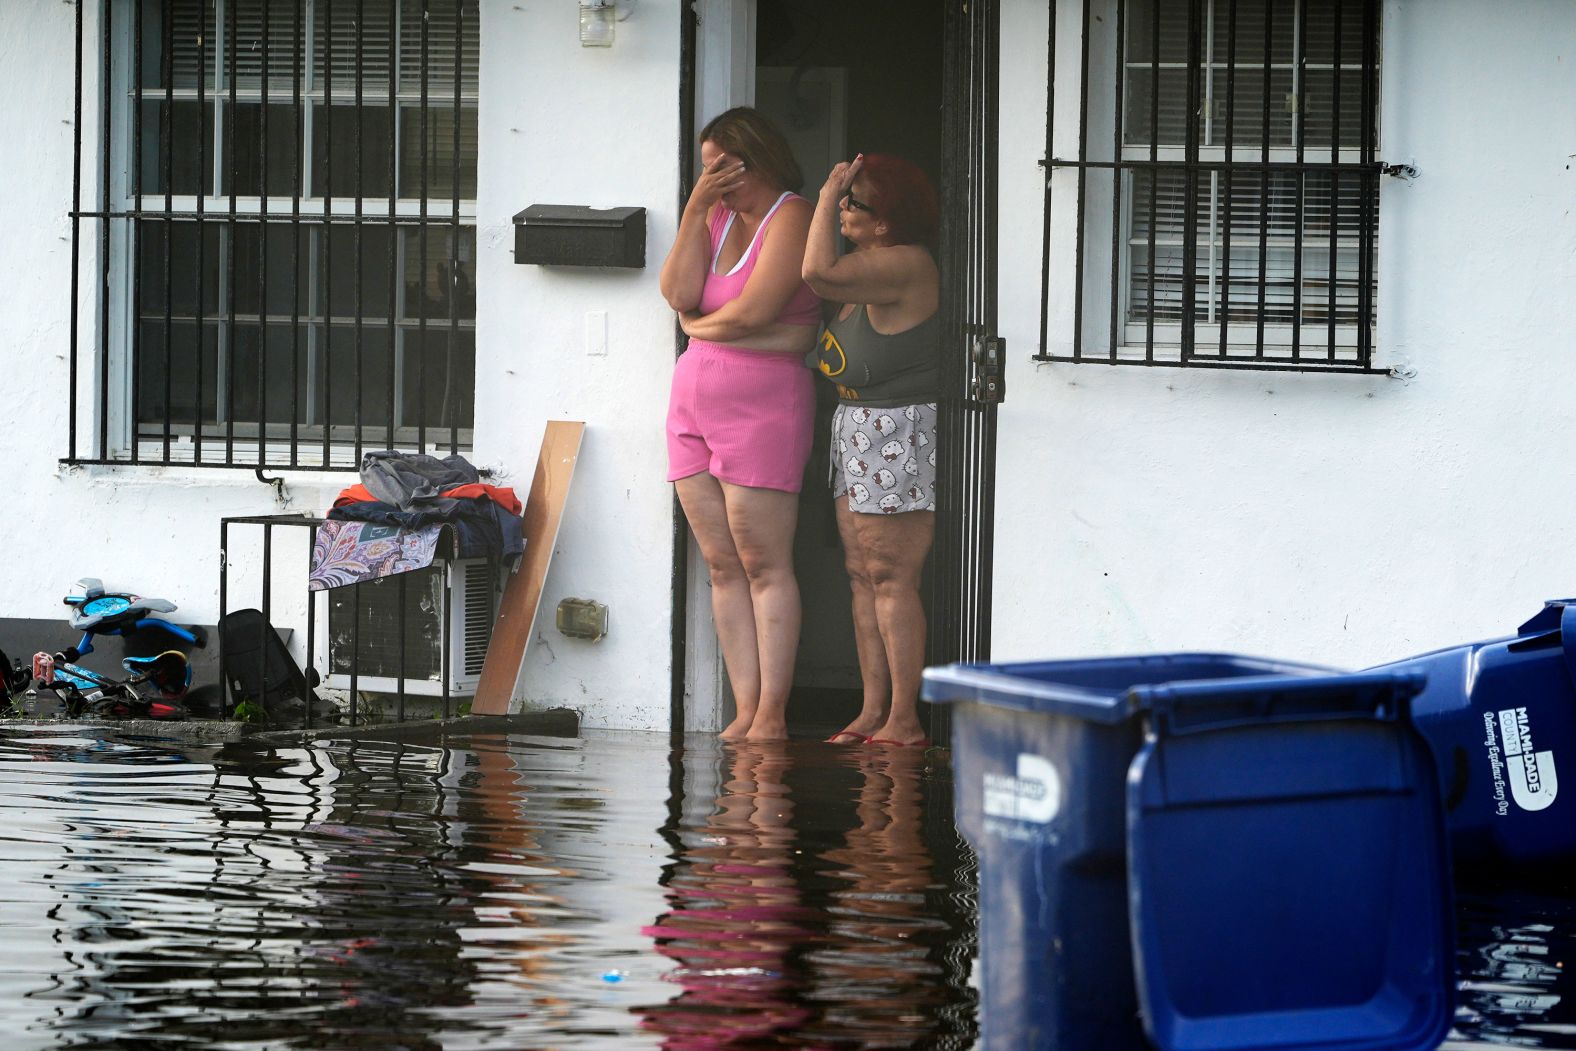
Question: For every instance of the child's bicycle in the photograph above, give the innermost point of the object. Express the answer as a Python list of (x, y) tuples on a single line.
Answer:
[(155, 684)]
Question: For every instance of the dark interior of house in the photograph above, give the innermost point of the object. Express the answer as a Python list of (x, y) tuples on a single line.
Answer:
[(843, 79)]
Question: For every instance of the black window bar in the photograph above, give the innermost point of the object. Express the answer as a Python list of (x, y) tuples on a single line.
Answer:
[(1241, 186), (284, 235)]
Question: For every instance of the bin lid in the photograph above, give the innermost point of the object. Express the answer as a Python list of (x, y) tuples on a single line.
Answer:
[(1099, 689), (1288, 869), (1548, 618)]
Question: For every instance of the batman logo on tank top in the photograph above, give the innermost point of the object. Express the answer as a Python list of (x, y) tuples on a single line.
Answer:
[(875, 368), (833, 362)]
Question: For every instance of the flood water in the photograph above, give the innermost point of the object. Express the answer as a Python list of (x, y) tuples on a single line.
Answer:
[(505, 891)]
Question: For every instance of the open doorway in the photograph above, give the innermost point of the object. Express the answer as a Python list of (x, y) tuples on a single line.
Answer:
[(842, 79)]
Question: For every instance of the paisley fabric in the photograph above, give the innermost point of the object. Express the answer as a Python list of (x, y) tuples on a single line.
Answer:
[(347, 552)]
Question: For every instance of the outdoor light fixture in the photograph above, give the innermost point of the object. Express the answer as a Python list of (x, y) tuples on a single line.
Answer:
[(597, 18)]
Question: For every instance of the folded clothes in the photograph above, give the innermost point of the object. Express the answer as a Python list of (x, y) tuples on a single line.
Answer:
[(408, 479), (503, 496), (482, 528), (415, 491)]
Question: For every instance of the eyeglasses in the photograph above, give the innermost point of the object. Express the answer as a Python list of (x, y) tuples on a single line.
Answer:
[(856, 203)]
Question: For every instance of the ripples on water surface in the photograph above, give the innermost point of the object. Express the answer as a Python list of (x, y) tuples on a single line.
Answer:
[(530, 892)]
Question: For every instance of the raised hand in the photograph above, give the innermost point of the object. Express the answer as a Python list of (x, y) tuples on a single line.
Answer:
[(842, 177), (722, 176)]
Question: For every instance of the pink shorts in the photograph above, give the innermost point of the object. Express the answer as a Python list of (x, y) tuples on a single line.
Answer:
[(743, 416)]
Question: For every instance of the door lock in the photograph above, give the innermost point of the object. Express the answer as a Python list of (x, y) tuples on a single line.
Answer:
[(989, 384)]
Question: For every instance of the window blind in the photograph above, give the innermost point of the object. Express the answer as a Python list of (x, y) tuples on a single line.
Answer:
[(1246, 219)]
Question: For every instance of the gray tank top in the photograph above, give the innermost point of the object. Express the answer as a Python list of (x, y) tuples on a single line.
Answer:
[(872, 368)]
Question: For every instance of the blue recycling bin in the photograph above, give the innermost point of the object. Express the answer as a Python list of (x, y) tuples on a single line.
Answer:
[(1500, 716), (1209, 851)]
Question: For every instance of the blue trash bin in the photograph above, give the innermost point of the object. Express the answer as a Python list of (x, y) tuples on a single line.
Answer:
[(1217, 851), (1499, 715)]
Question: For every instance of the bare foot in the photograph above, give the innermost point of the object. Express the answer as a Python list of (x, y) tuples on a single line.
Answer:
[(905, 732), (874, 711), (738, 729), (859, 731), (766, 728)]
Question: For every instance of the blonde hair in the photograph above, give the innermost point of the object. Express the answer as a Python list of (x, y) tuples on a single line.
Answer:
[(753, 138)]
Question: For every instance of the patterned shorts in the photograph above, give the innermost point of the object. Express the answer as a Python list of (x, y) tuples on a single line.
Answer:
[(885, 459)]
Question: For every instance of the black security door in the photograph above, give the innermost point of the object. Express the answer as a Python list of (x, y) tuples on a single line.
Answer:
[(965, 526)]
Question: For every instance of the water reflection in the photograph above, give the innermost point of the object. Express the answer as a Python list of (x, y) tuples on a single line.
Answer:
[(372, 894), (247, 887), (1515, 986), (879, 975), (502, 891), (737, 915), (799, 920)]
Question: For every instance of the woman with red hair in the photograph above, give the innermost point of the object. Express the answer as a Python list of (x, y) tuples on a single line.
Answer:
[(881, 347)]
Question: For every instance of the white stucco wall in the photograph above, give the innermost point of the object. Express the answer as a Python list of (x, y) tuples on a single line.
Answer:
[(562, 124), (559, 124), (1340, 518)]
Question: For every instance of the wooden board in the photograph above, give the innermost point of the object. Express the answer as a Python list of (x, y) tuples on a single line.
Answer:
[(544, 509)]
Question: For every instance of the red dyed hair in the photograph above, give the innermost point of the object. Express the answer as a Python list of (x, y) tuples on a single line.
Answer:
[(903, 197)]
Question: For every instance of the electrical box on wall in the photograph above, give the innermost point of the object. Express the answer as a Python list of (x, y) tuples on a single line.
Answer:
[(574, 235)]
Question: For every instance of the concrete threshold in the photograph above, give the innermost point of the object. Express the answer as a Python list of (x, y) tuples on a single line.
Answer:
[(554, 722)]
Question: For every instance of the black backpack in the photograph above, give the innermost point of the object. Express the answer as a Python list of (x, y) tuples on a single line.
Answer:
[(16, 677), (257, 667)]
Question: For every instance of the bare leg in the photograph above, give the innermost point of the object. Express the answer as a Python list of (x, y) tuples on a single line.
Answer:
[(731, 606), (895, 547), (762, 522), (873, 674)]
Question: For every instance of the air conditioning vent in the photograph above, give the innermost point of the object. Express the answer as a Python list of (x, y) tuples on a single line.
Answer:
[(475, 601), (371, 646)]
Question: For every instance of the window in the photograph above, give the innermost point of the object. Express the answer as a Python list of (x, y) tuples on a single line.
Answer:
[(289, 247), (1226, 151)]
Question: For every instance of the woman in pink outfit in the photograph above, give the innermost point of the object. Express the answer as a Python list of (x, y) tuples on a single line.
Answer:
[(742, 405)]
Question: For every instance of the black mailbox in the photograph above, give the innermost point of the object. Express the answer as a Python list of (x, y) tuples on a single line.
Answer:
[(574, 235)]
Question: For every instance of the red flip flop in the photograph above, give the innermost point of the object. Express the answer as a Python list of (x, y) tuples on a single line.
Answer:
[(923, 742), (848, 733)]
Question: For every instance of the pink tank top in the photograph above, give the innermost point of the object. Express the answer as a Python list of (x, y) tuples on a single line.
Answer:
[(805, 306)]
